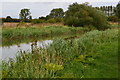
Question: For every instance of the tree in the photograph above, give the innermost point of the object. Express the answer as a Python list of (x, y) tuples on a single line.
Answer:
[(47, 17), (117, 10), (57, 13), (82, 15), (30, 17), (25, 14), (8, 19), (44, 18)]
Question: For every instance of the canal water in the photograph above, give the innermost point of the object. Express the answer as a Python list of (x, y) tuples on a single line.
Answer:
[(12, 51)]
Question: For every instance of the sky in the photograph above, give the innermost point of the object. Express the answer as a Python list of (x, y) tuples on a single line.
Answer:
[(40, 8), (59, 0)]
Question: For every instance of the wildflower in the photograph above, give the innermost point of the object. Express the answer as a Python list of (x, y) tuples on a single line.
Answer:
[(52, 66), (80, 58)]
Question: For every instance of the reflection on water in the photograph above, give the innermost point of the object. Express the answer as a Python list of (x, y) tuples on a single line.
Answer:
[(11, 51)]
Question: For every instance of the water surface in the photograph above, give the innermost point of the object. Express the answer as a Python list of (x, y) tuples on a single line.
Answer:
[(12, 51)]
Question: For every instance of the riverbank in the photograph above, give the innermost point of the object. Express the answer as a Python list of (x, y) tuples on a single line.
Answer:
[(18, 35), (93, 55)]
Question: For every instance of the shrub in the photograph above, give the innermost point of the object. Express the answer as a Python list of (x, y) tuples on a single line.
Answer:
[(59, 19), (113, 18), (36, 21), (82, 15), (52, 20)]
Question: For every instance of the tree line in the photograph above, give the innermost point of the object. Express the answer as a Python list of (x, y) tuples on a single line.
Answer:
[(77, 15), (108, 10), (56, 15)]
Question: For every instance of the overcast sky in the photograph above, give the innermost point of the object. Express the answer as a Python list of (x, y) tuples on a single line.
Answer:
[(42, 8), (59, 0)]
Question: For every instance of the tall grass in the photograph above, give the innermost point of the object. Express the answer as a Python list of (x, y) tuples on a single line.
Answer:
[(31, 33), (94, 55)]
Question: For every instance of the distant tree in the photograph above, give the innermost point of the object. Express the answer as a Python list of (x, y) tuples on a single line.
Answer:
[(37, 21), (44, 18), (86, 3), (117, 10), (98, 8), (25, 14), (30, 17), (47, 17), (57, 13), (8, 19), (101, 8)]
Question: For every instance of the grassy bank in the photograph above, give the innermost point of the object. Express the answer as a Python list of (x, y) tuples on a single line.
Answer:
[(115, 26), (18, 35), (94, 55)]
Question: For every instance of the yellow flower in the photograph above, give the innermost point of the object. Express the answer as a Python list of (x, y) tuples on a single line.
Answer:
[(52, 66), (80, 58)]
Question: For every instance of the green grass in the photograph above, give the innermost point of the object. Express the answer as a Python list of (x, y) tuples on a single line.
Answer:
[(115, 26), (17, 35), (94, 55)]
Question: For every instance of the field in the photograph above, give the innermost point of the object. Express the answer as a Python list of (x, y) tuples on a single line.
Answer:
[(22, 24), (93, 55)]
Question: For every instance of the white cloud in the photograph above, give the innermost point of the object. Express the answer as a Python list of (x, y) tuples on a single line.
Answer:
[(40, 8), (60, 0)]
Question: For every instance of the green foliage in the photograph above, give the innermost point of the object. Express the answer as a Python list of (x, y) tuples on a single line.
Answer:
[(82, 15), (80, 58), (59, 20), (56, 13), (25, 14), (96, 54), (115, 26), (113, 18), (117, 10), (54, 20), (8, 19), (51, 20), (37, 21), (14, 35), (53, 67)]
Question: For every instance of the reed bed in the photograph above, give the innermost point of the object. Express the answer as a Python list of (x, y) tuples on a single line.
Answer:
[(18, 35), (93, 55)]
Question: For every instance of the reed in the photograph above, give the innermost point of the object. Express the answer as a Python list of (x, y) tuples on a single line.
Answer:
[(18, 35), (93, 55)]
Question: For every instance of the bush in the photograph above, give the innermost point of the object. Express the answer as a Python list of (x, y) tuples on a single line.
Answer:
[(52, 20), (36, 21), (82, 15), (59, 19), (89, 27), (113, 18)]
